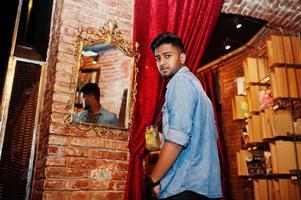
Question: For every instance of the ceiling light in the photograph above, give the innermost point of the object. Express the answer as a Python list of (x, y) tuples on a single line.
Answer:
[(227, 44), (237, 23), (238, 26)]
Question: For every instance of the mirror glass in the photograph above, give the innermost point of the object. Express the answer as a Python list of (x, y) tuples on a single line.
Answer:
[(104, 80)]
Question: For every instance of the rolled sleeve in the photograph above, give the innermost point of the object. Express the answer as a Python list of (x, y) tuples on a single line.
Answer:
[(180, 105), (177, 137)]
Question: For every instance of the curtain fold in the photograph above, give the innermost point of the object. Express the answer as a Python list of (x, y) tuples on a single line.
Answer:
[(193, 21)]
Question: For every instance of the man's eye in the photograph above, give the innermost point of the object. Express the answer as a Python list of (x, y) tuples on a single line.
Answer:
[(158, 59), (167, 56)]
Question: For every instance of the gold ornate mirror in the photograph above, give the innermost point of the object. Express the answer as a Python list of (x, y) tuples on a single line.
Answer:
[(103, 80)]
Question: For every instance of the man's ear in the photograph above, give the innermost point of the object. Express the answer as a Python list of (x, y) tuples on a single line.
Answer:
[(182, 58)]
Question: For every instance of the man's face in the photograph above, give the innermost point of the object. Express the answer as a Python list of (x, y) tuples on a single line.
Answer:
[(169, 60)]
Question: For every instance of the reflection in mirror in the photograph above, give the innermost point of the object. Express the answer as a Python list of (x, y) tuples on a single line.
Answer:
[(103, 80), (103, 85)]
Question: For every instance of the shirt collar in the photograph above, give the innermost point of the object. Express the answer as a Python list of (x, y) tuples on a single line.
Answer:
[(180, 71), (101, 110)]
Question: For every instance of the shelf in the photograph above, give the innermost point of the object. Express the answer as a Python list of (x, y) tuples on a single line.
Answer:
[(294, 176), (291, 137), (285, 65), (263, 82)]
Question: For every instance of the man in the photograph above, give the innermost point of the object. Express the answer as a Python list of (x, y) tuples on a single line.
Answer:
[(188, 164), (94, 112)]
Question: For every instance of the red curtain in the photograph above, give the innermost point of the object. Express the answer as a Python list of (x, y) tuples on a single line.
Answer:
[(193, 21)]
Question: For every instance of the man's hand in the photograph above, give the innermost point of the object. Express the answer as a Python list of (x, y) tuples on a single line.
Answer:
[(151, 188), (156, 189)]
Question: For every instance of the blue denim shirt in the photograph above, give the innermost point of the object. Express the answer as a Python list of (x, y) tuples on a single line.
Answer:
[(102, 117), (188, 120)]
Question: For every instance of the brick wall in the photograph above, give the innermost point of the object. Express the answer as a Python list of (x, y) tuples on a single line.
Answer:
[(286, 14), (72, 163)]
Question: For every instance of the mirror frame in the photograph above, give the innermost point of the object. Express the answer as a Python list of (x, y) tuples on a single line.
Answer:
[(111, 36)]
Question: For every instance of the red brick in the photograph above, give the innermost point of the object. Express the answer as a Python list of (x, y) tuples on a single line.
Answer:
[(58, 140), (63, 77), (58, 117), (66, 58), (63, 87), (57, 195), (114, 195), (67, 30), (97, 195), (61, 97), (78, 195), (122, 165), (119, 175), (112, 3), (55, 161), (87, 142), (117, 185), (75, 151), (86, 185), (60, 107), (109, 155), (52, 150), (64, 67), (67, 48), (55, 172), (54, 184), (85, 163), (77, 173)]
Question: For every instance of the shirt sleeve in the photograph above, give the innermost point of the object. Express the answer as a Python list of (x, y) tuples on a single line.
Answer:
[(181, 99)]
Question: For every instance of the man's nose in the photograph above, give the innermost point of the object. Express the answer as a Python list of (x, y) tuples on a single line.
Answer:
[(162, 62)]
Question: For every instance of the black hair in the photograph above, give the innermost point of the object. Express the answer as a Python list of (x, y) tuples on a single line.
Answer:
[(91, 89), (167, 38)]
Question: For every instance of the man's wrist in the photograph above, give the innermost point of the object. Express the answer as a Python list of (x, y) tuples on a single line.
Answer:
[(150, 183)]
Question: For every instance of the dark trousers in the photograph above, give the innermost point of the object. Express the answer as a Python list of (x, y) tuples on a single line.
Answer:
[(187, 195)]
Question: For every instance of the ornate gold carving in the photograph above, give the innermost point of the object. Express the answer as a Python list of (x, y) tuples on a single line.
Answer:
[(109, 35)]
